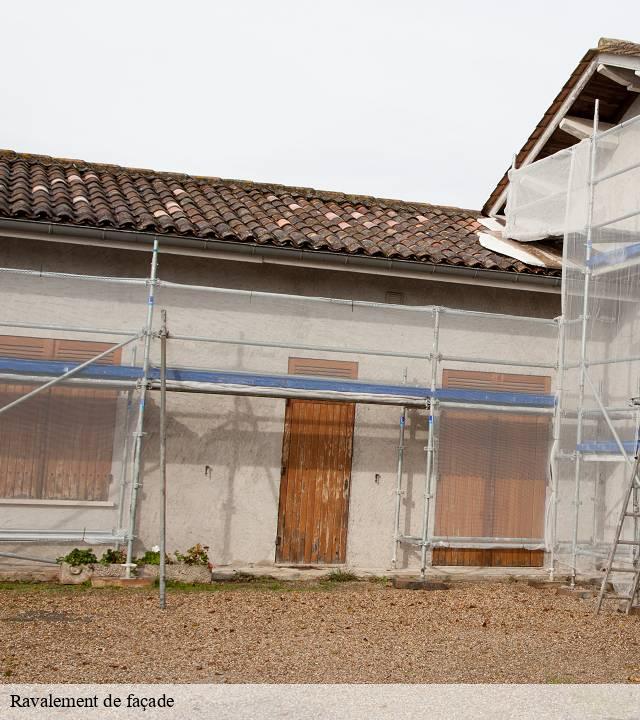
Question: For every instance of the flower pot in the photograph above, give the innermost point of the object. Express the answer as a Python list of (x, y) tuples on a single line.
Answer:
[(75, 574), (179, 572)]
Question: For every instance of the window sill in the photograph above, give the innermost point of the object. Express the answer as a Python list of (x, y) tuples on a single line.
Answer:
[(57, 503)]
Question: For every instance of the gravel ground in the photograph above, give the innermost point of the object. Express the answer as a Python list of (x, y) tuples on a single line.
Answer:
[(328, 633)]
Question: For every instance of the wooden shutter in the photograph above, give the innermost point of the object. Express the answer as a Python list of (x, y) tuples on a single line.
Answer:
[(492, 472), (59, 445), (23, 429)]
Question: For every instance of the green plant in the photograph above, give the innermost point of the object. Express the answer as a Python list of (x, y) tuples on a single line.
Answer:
[(341, 576), (78, 557), (196, 555), (151, 557), (113, 557)]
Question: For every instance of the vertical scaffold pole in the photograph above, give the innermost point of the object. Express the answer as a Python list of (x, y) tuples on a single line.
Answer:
[(396, 525), (163, 461), (433, 404), (555, 453), (583, 346), (137, 453)]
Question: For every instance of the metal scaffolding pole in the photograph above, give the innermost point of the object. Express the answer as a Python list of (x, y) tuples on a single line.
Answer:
[(137, 453), (433, 405), (583, 345), (396, 523), (555, 453), (163, 461), (124, 470)]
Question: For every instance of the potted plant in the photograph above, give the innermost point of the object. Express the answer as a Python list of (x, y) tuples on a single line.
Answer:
[(76, 567), (193, 566)]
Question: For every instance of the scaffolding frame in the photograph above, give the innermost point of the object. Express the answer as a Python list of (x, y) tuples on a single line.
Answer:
[(593, 221), (431, 399), (582, 454)]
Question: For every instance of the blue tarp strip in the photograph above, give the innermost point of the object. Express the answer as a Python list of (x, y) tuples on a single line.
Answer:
[(607, 447), (294, 382), (615, 257)]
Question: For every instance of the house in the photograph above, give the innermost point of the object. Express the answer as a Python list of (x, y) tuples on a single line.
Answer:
[(264, 476)]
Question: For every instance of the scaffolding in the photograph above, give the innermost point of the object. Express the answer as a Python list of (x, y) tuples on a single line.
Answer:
[(237, 343), (589, 196)]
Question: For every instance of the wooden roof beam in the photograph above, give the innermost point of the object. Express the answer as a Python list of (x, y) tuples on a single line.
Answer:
[(622, 76), (581, 128)]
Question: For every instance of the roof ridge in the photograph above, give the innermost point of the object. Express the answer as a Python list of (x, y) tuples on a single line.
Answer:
[(300, 190)]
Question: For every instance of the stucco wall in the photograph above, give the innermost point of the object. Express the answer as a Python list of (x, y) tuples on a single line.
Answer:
[(224, 453)]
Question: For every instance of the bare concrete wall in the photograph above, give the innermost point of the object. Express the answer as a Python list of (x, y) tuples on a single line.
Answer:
[(224, 454)]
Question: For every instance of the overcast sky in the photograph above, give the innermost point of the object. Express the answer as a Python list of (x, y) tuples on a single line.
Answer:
[(404, 99)]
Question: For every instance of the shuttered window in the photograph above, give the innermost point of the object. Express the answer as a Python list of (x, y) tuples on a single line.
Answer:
[(59, 444)]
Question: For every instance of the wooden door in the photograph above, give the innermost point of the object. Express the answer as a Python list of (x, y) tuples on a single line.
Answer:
[(315, 482), (492, 474)]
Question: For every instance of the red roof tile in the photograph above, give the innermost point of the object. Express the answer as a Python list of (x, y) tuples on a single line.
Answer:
[(74, 192)]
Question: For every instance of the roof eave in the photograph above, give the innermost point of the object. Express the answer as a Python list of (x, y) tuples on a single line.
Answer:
[(577, 81), (251, 252)]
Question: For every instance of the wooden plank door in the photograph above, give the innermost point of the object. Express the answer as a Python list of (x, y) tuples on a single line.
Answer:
[(315, 482), (492, 474)]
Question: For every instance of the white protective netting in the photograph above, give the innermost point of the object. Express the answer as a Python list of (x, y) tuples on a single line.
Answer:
[(492, 472), (214, 329), (69, 446), (601, 360)]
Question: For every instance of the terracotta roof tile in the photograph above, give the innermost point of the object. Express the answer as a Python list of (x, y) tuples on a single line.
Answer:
[(79, 193)]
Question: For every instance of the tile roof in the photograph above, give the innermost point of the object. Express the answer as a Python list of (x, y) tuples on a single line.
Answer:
[(605, 45), (74, 192)]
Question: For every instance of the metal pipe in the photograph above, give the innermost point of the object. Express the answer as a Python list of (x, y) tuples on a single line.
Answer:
[(335, 396), (495, 316), (497, 408), (583, 343), (286, 393), (73, 276), (433, 403), (67, 328), (555, 460), (607, 419), (295, 346), (396, 522), (163, 462), (64, 376), (615, 173), (13, 556), (89, 537), (137, 454), (492, 361), (90, 382), (359, 351), (429, 309), (619, 218), (125, 456)]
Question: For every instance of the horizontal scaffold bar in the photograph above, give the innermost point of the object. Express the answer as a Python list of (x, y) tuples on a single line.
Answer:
[(91, 537), (238, 383)]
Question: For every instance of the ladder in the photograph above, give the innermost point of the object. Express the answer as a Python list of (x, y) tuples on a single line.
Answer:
[(631, 495)]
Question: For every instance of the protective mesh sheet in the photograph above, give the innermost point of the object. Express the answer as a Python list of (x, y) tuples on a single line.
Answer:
[(75, 442), (601, 359), (492, 478), (537, 198), (257, 333), (72, 442)]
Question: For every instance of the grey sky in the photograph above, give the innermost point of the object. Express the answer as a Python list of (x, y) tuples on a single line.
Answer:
[(413, 100)]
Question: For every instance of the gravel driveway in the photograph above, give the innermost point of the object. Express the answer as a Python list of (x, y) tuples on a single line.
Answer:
[(326, 633)]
